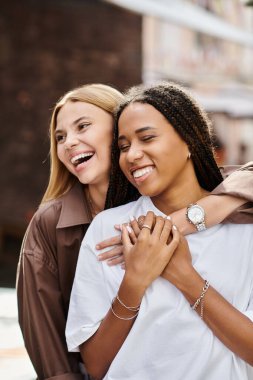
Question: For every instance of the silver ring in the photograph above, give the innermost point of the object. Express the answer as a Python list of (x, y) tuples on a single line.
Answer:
[(146, 226)]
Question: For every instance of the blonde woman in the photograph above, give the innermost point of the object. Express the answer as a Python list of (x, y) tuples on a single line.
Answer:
[(80, 134)]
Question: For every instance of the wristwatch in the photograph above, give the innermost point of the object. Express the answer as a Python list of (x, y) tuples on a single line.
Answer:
[(195, 214)]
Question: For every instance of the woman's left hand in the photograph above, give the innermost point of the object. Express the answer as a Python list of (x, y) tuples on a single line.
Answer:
[(114, 255)]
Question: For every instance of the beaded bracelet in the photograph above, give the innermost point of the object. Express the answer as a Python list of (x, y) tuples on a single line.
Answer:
[(200, 300)]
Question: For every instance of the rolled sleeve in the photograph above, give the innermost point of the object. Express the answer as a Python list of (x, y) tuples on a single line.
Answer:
[(238, 182)]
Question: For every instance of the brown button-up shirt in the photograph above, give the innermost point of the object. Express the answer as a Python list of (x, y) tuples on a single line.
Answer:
[(45, 276), (47, 267)]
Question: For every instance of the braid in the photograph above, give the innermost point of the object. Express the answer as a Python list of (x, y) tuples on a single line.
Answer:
[(189, 121), (120, 190)]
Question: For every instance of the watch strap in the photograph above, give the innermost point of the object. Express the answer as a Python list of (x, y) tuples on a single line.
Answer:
[(201, 226)]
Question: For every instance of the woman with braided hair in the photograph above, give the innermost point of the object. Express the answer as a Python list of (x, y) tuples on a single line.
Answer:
[(181, 309)]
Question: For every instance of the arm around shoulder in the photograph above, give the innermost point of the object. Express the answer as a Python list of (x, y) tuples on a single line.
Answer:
[(238, 183), (231, 200)]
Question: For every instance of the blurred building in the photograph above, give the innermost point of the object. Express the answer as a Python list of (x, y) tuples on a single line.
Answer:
[(206, 45), (219, 71), (48, 47)]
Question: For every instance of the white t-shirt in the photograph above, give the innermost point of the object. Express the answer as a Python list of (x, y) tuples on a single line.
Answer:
[(168, 339)]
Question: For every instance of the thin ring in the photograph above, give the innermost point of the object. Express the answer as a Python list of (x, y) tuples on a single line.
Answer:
[(146, 226)]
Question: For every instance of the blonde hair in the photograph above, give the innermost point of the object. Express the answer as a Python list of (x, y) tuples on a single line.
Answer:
[(103, 96)]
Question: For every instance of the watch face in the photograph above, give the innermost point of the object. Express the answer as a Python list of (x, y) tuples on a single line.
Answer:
[(196, 214)]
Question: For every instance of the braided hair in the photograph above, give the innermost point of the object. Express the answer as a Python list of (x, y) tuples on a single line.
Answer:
[(190, 122)]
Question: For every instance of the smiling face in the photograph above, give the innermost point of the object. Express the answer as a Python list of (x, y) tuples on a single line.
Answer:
[(84, 135), (153, 156)]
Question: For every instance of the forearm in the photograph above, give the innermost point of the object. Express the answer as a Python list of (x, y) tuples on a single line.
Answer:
[(99, 351), (145, 261), (217, 208), (229, 325)]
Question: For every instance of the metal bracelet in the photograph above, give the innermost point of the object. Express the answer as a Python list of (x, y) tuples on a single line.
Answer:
[(204, 290), (131, 308), (123, 318)]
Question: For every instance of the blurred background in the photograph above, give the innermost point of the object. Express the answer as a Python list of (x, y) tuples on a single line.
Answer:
[(50, 46)]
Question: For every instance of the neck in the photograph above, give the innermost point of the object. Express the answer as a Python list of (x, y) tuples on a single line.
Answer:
[(183, 192), (96, 196)]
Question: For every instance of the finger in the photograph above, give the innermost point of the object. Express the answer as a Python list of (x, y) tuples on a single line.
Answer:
[(109, 242), (148, 223), (116, 260), (135, 226), (166, 231), (175, 239), (111, 253), (158, 227), (131, 234), (126, 241), (141, 221), (183, 241)]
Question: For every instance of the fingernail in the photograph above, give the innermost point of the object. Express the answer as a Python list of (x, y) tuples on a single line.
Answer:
[(132, 218), (99, 257), (123, 266), (97, 246), (129, 229), (174, 227), (168, 217)]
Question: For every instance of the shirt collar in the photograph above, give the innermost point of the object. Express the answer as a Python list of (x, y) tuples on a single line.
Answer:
[(74, 210)]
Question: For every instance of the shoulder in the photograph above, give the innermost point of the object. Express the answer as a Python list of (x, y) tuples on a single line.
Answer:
[(239, 229), (119, 211), (48, 214), (102, 226), (42, 227), (120, 214), (238, 234)]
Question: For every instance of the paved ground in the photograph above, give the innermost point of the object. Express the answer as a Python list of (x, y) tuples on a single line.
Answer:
[(14, 362)]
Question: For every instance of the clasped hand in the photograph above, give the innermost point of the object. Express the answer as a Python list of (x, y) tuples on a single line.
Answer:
[(148, 254), (158, 251)]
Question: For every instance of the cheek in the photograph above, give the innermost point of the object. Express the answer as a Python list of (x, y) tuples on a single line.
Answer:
[(121, 163), (105, 152), (123, 167), (59, 152), (103, 143)]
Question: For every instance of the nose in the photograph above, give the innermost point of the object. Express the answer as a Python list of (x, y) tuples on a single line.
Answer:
[(134, 154), (71, 141)]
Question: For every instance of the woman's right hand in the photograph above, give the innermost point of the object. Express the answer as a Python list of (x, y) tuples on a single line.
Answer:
[(179, 269), (146, 259)]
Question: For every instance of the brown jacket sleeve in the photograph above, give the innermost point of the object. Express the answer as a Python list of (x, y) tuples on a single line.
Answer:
[(41, 314), (238, 181)]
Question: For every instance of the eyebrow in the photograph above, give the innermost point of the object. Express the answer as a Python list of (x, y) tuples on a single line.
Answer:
[(140, 130), (75, 122)]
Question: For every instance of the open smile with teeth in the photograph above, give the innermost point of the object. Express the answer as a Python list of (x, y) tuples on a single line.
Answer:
[(80, 158), (141, 172)]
